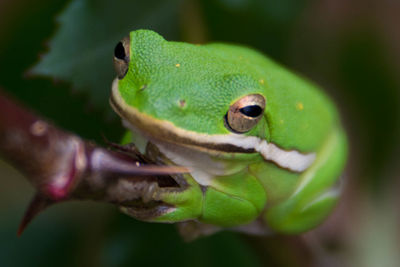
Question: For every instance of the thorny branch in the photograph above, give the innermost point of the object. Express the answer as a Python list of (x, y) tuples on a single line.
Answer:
[(62, 166)]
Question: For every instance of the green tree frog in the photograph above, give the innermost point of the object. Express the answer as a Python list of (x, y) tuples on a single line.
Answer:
[(265, 148)]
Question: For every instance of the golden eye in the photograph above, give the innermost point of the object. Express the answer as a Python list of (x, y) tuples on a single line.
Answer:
[(245, 113), (121, 57)]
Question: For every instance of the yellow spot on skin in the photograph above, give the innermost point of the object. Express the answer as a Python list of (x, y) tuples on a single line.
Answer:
[(177, 65), (299, 106), (281, 121), (261, 81)]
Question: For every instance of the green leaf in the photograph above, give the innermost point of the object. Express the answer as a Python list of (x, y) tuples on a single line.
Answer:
[(82, 48)]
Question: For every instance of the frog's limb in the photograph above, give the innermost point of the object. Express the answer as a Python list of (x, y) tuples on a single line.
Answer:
[(216, 204), (185, 204), (233, 200), (316, 193)]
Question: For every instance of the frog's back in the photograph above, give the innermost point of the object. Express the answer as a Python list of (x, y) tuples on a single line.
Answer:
[(300, 116)]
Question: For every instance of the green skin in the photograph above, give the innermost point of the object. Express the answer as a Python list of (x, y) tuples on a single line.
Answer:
[(190, 88)]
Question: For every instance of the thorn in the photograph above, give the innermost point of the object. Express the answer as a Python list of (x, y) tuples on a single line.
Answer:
[(37, 204), (105, 162)]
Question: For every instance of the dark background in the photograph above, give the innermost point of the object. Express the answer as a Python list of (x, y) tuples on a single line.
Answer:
[(350, 48)]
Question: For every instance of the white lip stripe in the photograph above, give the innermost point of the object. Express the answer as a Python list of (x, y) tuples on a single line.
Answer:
[(292, 160)]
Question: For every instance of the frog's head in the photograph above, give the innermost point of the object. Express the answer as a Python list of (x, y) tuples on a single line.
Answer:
[(203, 107), (186, 94)]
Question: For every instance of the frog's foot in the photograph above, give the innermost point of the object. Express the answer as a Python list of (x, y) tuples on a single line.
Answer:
[(149, 197)]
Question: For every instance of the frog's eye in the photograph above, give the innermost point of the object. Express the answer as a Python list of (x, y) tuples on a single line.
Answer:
[(245, 113), (121, 57)]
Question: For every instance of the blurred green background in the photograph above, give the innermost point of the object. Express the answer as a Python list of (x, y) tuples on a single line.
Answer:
[(350, 48)]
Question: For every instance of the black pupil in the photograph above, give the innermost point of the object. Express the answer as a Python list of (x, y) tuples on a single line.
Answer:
[(251, 111), (119, 51)]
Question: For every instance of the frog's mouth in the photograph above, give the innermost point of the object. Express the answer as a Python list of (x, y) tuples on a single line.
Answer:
[(167, 132)]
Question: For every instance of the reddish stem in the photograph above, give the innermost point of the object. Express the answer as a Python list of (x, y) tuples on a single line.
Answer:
[(61, 165)]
